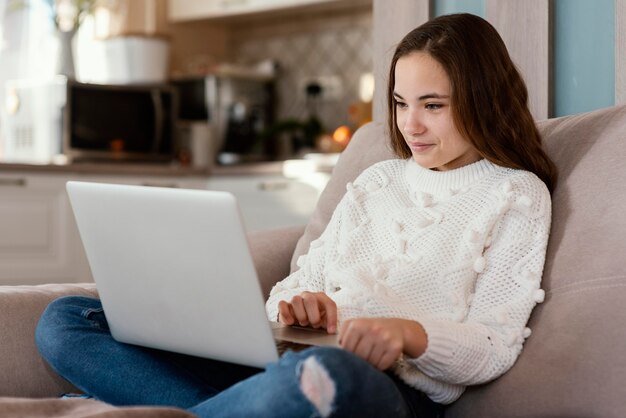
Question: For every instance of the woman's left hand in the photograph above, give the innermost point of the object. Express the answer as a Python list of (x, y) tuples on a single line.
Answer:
[(380, 341)]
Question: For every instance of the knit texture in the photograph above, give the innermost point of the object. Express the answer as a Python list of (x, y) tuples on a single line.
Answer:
[(459, 251)]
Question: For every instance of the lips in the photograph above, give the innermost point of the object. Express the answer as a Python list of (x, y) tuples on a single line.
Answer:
[(420, 146)]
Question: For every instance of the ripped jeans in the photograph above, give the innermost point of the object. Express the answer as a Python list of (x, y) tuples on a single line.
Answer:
[(74, 337)]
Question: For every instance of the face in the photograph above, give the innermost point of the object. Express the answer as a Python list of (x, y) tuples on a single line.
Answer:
[(424, 116)]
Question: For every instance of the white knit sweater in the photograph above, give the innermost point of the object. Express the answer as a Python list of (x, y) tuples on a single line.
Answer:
[(460, 251)]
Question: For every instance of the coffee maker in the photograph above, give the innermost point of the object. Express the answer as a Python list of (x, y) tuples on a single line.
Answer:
[(239, 109)]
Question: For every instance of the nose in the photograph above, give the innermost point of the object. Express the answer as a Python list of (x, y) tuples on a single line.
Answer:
[(413, 125)]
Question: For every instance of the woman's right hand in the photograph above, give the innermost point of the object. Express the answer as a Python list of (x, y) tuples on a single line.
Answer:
[(316, 310)]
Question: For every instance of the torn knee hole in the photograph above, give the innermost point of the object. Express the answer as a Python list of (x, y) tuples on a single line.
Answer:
[(317, 386)]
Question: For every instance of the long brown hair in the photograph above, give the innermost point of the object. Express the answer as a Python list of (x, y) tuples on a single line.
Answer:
[(488, 98)]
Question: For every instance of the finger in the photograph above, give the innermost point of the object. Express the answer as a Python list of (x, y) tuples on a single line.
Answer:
[(329, 308), (348, 337), (312, 309), (285, 314), (389, 357), (391, 350), (364, 348), (298, 310), (377, 355)]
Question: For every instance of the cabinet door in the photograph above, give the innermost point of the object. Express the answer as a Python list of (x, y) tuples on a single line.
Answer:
[(38, 238), (181, 10), (269, 201)]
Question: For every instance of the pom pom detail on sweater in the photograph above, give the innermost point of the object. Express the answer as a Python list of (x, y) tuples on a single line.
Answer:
[(479, 264), (372, 187), (301, 260), (539, 295)]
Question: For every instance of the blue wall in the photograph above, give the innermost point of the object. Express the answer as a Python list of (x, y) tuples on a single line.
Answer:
[(444, 7), (584, 55)]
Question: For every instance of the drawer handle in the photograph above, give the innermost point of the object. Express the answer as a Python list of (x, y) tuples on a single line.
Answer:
[(272, 186), (162, 185), (21, 182)]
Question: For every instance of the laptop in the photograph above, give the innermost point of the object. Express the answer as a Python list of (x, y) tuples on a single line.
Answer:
[(174, 272)]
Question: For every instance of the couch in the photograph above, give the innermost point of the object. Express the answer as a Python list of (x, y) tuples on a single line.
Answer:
[(574, 363)]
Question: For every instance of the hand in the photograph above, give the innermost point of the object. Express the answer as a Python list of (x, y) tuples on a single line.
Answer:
[(381, 341), (317, 310)]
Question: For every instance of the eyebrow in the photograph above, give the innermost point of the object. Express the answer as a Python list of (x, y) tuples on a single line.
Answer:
[(425, 97)]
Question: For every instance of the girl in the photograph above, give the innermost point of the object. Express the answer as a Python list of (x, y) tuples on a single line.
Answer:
[(428, 270)]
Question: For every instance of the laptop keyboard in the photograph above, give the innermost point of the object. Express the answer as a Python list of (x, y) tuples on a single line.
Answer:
[(284, 346)]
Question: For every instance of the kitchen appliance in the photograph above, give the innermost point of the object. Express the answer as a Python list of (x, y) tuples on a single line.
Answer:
[(120, 122), (123, 60), (33, 120), (240, 109)]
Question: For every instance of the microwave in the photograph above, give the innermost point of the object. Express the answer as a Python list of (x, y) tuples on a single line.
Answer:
[(120, 122)]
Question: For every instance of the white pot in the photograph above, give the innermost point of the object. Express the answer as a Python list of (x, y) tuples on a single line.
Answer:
[(135, 59)]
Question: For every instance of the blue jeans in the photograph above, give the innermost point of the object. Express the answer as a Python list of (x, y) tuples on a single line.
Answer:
[(74, 338)]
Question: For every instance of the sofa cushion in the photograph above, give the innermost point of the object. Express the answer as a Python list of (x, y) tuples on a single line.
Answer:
[(572, 364), (26, 373), (83, 408)]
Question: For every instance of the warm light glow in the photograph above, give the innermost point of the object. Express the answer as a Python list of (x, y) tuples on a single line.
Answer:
[(366, 87), (342, 135)]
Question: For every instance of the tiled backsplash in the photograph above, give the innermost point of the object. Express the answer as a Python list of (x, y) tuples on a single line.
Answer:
[(334, 47)]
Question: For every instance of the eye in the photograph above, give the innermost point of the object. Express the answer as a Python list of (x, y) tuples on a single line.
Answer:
[(401, 105), (433, 106)]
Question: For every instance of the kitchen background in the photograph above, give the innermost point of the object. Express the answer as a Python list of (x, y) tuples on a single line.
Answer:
[(304, 45), (94, 116), (334, 48), (317, 58)]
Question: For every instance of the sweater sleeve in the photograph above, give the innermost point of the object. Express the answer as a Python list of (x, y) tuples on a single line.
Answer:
[(310, 275), (488, 340)]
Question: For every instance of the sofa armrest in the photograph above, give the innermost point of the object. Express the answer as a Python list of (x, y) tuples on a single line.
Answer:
[(271, 252), (24, 372)]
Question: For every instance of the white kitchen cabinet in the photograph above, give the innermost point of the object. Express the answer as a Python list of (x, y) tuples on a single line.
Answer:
[(38, 237), (270, 201), (40, 243), (182, 10), (39, 240)]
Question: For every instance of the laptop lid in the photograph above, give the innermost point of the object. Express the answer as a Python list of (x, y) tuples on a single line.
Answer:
[(174, 271)]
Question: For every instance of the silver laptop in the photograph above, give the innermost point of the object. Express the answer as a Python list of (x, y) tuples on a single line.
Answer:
[(174, 272)]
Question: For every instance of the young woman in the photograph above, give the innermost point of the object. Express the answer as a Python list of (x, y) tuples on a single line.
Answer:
[(428, 270)]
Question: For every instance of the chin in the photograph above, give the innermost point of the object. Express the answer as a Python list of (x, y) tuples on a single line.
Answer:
[(424, 163)]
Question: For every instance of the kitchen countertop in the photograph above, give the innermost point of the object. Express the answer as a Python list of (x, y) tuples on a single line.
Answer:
[(104, 168), (309, 163)]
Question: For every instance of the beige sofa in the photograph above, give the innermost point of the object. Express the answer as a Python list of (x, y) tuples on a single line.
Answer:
[(573, 364)]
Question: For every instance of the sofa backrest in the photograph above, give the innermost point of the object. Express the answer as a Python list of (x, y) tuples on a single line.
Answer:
[(574, 362)]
